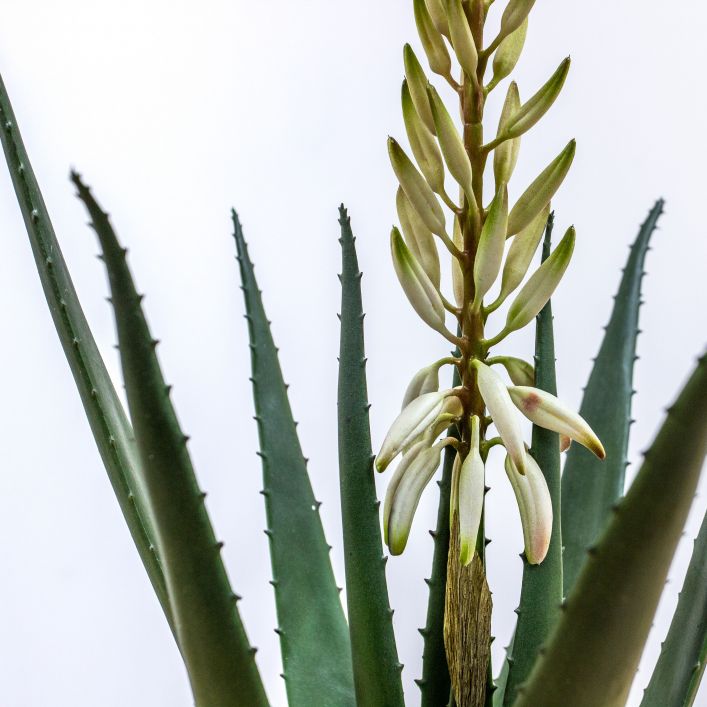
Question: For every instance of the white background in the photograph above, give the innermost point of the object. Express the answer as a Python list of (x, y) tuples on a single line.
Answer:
[(176, 111)]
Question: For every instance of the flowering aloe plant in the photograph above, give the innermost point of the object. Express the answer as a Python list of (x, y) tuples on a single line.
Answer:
[(595, 559)]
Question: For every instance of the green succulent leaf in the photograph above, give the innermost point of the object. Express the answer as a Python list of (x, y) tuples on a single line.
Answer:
[(314, 636), (376, 667), (541, 590), (218, 657), (591, 487), (435, 683), (593, 653), (109, 424), (681, 665)]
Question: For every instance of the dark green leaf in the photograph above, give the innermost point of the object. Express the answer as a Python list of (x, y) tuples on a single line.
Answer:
[(109, 424), (681, 664), (214, 645), (590, 487), (541, 591), (314, 637), (592, 656), (375, 656)]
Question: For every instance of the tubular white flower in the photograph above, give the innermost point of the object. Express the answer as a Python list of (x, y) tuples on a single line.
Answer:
[(398, 474), (470, 497), (545, 410), (411, 423), (535, 506), (505, 417), (402, 499), (426, 380)]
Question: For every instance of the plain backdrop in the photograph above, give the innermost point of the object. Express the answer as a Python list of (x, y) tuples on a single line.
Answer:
[(176, 111)]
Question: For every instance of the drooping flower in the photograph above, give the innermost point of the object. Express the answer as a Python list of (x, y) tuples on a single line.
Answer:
[(545, 410), (535, 505)]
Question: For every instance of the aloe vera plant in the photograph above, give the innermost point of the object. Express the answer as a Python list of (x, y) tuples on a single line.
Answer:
[(596, 555)]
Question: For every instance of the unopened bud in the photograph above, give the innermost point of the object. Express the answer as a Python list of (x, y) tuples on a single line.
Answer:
[(431, 39), (519, 371), (423, 144), (565, 443), (514, 15), (451, 143), (416, 189), (471, 496), (521, 252), (438, 15), (545, 410), (409, 424), (508, 52), (492, 241), (461, 37), (422, 294), (426, 380), (503, 412), (536, 107), (417, 83), (505, 155), (542, 283), (457, 272), (539, 194), (535, 506), (418, 237), (402, 501)]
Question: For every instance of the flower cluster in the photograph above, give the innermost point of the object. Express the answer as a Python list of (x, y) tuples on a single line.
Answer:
[(491, 247)]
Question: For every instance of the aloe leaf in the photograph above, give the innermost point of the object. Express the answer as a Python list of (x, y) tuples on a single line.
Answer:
[(314, 637), (109, 424), (435, 684), (590, 487), (592, 655), (541, 590), (681, 664), (376, 667), (216, 651)]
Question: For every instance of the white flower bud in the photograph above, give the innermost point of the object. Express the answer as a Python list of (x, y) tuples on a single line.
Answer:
[(535, 506), (542, 283), (423, 144), (545, 410), (409, 424), (418, 237), (514, 15), (505, 155), (422, 294), (492, 241), (508, 53), (520, 254), (461, 37), (471, 496), (417, 83), (403, 498), (416, 189), (536, 107), (431, 39), (503, 412), (451, 142), (426, 380), (539, 194)]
